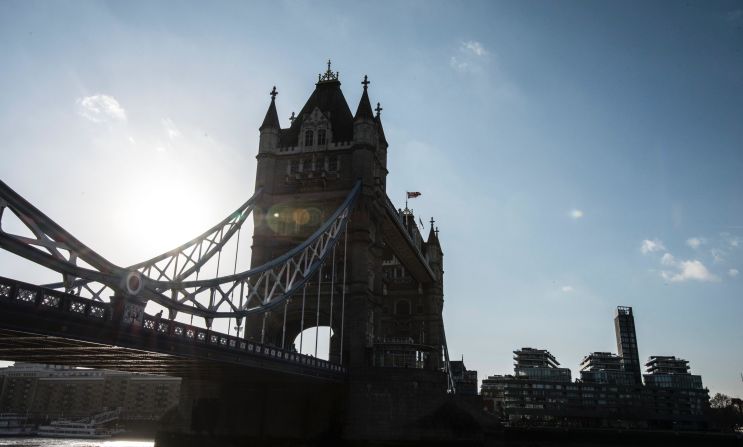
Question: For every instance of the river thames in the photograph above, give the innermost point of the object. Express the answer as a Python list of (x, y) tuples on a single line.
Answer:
[(49, 442)]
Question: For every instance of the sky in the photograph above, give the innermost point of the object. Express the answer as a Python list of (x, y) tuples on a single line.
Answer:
[(576, 155)]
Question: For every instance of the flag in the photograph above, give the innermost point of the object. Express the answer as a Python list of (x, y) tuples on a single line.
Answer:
[(413, 195)]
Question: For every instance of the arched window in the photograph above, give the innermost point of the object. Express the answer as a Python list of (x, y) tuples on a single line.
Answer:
[(308, 137), (321, 136)]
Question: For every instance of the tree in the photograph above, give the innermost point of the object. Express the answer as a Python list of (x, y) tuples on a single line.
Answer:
[(720, 401), (725, 413)]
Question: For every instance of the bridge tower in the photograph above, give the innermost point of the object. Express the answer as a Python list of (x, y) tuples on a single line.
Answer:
[(389, 331), (305, 172)]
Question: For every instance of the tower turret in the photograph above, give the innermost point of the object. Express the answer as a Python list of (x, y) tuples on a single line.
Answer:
[(364, 125), (269, 139)]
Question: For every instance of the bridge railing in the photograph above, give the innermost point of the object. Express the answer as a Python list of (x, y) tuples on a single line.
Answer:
[(44, 299), (40, 299), (200, 336)]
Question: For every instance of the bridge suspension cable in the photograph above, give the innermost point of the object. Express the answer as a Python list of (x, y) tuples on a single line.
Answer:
[(164, 279)]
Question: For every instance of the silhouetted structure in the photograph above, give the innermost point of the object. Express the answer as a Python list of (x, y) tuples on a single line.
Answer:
[(539, 364), (607, 394), (465, 380), (604, 367), (624, 327)]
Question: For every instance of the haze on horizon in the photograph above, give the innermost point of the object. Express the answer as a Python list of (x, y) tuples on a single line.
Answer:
[(576, 156)]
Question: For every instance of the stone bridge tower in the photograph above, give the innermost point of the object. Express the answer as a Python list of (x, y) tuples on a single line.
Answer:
[(394, 295)]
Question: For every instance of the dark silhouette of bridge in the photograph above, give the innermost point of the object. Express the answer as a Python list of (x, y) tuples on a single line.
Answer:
[(329, 249)]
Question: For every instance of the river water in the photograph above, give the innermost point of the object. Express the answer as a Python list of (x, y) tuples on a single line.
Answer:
[(47, 442)]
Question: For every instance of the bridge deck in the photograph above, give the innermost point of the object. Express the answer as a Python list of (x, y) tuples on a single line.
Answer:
[(45, 326)]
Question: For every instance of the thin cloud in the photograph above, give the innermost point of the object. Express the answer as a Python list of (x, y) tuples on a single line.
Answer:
[(691, 270), (458, 64), (695, 242), (733, 273), (170, 129), (668, 259), (576, 214), (470, 57), (474, 47), (651, 246), (101, 108), (717, 255), (567, 289)]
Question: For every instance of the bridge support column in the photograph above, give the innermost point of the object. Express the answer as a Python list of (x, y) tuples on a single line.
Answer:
[(127, 310), (256, 411)]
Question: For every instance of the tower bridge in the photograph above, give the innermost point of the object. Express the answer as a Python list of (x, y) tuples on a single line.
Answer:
[(329, 249)]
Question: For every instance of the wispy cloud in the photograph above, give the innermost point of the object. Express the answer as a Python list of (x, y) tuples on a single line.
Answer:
[(469, 57), (693, 270), (170, 129), (567, 289), (733, 273), (101, 108), (651, 246), (695, 242), (717, 255), (459, 64), (474, 47), (576, 214)]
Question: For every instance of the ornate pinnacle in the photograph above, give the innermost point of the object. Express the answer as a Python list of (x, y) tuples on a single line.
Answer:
[(292, 118), (378, 109), (273, 93), (365, 82), (329, 75)]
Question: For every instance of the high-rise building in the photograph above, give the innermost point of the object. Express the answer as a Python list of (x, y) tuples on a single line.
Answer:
[(624, 327)]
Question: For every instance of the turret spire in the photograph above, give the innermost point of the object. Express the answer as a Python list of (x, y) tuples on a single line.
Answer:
[(364, 111), (271, 121)]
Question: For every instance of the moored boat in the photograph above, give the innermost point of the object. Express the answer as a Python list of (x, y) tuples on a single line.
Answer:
[(14, 424)]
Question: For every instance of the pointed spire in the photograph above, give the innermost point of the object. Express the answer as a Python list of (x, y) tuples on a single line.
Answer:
[(380, 129), (433, 235), (364, 111), (272, 118)]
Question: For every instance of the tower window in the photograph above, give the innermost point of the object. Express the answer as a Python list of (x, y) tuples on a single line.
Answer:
[(332, 164), (307, 165), (308, 137), (321, 136)]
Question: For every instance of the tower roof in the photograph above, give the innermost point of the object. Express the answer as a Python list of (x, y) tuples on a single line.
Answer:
[(364, 111), (271, 121), (380, 129), (433, 236), (329, 98)]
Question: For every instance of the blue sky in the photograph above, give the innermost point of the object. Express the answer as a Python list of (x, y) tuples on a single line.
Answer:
[(575, 155)]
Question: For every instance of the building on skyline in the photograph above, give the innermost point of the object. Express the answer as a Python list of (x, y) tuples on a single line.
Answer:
[(47, 392), (624, 328), (539, 364), (604, 367), (465, 380), (537, 391), (608, 394)]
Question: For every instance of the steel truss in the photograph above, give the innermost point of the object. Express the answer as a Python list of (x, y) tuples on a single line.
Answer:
[(172, 279)]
